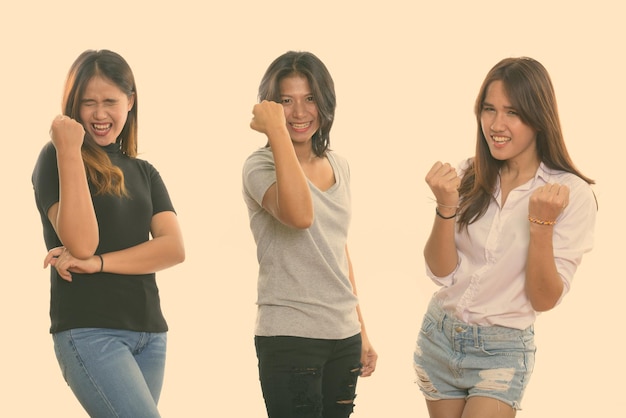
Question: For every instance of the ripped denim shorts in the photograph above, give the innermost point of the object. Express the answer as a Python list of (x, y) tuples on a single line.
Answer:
[(455, 360)]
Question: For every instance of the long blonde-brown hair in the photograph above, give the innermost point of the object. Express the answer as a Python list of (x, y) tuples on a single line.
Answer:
[(530, 90), (103, 175)]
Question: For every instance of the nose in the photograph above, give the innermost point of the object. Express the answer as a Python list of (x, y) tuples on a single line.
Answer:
[(299, 109), (99, 112), (497, 124)]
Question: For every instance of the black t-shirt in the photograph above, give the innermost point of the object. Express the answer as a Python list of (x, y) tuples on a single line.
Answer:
[(106, 300)]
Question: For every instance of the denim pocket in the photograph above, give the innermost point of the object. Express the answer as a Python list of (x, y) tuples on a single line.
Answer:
[(509, 346)]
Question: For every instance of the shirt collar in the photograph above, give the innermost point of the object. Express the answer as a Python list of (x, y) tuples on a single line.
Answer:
[(542, 174)]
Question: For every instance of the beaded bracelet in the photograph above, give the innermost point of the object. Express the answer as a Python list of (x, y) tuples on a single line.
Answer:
[(540, 221), (444, 217)]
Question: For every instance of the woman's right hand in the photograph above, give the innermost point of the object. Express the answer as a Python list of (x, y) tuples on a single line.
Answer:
[(268, 116), (57, 258), (66, 264), (66, 133), (444, 183)]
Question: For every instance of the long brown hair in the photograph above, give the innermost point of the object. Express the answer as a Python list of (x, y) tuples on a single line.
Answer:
[(104, 176), (321, 83), (530, 90)]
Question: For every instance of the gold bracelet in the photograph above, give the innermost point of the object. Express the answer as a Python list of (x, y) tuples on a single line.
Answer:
[(540, 221)]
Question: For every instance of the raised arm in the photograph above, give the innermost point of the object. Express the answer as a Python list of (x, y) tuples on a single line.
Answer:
[(440, 250), (544, 285), (289, 199), (73, 217)]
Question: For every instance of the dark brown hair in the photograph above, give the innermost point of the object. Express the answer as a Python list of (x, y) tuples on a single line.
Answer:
[(322, 87), (530, 90)]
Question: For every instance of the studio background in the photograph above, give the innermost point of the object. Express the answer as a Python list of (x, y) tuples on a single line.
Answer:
[(406, 75)]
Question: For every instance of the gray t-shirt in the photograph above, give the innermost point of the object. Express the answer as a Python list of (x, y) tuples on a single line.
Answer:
[(303, 285)]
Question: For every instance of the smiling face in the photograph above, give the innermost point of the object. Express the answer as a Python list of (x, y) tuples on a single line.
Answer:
[(104, 109), (300, 108), (508, 137)]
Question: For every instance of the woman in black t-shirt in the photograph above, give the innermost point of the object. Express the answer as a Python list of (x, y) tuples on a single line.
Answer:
[(109, 225)]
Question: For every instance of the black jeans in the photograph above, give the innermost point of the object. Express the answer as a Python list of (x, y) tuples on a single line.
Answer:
[(305, 377)]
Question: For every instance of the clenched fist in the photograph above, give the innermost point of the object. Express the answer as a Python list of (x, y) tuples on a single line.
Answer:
[(66, 133), (444, 183), (548, 202), (268, 116)]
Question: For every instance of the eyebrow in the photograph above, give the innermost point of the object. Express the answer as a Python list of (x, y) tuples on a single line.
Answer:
[(105, 100), (291, 95), (506, 107)]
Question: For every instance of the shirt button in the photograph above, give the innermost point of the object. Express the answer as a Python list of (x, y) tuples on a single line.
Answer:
[(459, 329)]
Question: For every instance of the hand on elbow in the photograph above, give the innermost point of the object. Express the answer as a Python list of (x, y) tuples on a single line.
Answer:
[(81, 252), (81, 247)]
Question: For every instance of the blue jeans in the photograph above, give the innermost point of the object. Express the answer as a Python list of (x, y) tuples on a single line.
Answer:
[(113, 373), (305, 377), (455, 360)]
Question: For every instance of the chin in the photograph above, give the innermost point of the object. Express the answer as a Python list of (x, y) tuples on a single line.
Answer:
[(102, 141)]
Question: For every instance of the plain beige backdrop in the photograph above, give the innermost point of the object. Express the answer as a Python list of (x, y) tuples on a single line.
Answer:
[(406, 75)]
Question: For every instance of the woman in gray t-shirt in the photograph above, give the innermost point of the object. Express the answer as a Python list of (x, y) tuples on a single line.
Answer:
[(310, 338)]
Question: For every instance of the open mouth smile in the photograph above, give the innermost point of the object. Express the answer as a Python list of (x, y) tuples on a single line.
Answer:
[(500, 139), (101, 128)]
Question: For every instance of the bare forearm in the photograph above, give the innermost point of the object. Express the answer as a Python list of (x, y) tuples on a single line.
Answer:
[(75, 220), (151, 256), (544, 286), (354, 290), (293, 196), (440, 250)]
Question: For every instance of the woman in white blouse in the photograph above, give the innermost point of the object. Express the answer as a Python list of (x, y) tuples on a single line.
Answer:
[(511, 226)]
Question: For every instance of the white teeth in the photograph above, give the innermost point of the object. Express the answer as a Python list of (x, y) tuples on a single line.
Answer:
[(501, 139), (301, 125), (101, 127)]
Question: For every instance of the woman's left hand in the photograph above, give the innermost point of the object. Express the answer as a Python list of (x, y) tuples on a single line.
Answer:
[(548, 202), (369, 357), (66, 264)]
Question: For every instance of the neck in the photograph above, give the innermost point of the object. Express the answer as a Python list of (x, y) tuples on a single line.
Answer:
[(305, 153), (516, 170)]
